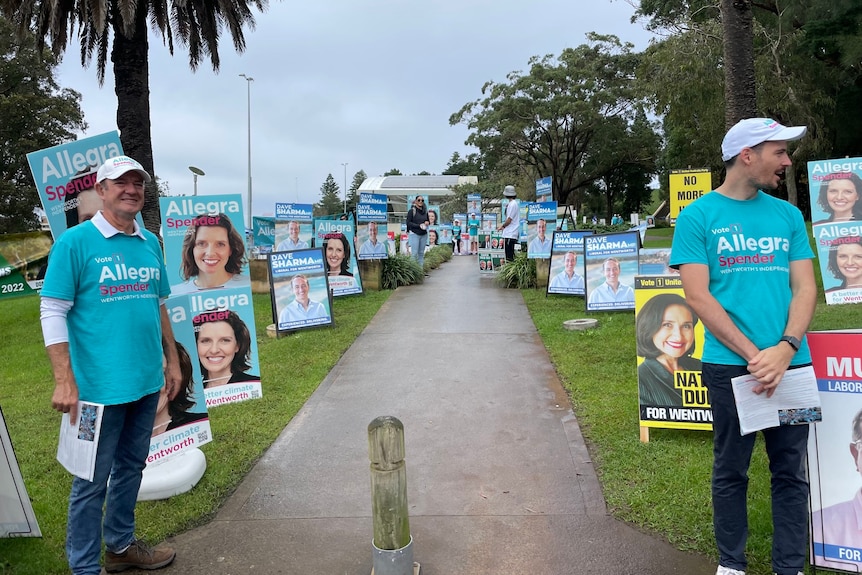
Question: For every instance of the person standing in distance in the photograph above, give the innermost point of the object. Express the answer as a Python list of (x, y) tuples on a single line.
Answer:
[(758, 331), (511, 227), (108, 273), (417, 229)]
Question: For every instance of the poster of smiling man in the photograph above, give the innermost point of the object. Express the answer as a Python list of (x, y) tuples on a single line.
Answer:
[(835, 452), (611, 265), (294, 228), (204, 243), (299, 291), (542, 222), (567, 263), (371, 219)]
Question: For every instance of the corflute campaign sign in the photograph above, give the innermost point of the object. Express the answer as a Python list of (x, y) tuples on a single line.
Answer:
[(204, 242), (65, 177), (612, 263), (225, 342), (833, 452), (294, 229), (567, 263), (181, 423), (337, 239), (542, 221), (299, 291)]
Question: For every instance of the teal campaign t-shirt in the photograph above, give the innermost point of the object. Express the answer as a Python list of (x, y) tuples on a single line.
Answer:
[(748, 246), (115, 336)]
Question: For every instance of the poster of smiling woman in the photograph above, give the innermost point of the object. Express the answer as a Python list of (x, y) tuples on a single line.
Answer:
[(835, 188), (839, 249), (225, 344), (337, 239), (204, 243), (669, 338), (181, 423)]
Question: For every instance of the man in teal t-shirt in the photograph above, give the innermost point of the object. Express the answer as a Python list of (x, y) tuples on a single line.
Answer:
[(745, 265), (105, 328)]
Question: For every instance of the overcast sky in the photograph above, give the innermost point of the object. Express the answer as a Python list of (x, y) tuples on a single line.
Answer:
[(368, 82)]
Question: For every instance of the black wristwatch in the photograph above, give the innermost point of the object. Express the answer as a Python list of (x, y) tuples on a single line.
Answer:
[(793, 341)]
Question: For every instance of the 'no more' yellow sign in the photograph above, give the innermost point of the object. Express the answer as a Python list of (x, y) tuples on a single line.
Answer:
[(685, 187)]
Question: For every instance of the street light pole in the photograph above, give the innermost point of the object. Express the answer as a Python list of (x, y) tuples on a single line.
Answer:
[(197, 172), (249, 80), (345, 186)]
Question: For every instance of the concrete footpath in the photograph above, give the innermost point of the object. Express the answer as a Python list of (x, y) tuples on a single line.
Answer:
[(499, 479)]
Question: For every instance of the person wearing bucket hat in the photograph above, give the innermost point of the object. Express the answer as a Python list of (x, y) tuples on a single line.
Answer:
[(106, 278), (511, 227), (745, 265)]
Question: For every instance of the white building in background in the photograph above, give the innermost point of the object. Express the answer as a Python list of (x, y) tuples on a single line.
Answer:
[(399, 187)]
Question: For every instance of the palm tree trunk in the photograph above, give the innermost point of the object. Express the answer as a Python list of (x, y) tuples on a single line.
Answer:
[(132, 86), (740, 97)]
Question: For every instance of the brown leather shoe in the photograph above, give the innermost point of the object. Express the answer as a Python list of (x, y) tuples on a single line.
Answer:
[(139, 555)]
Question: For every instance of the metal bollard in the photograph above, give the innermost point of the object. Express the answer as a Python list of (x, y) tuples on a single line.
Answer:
[(392, 543)]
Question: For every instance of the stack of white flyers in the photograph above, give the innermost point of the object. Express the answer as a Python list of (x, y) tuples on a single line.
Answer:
[(79, 442), (795, 401)]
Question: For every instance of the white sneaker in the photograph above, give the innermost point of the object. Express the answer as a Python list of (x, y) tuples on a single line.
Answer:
[(722, 570)]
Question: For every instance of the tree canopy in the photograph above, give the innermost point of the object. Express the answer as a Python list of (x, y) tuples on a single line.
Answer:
[(550, 120), (123, 25), (35, 113)]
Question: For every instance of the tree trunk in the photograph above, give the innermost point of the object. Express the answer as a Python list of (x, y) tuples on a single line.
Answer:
[(790, 181), (132, 86), (740, 96)]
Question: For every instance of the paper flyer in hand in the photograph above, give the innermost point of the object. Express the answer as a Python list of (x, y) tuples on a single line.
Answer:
[(796, 401), (79, 443)]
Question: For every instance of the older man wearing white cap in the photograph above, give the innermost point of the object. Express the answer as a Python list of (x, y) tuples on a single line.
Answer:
[(105, 327), (745, 264), (511, 227)]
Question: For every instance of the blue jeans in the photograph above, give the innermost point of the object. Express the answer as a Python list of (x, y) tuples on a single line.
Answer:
[(124, 444), (417, 246), (786, 447)]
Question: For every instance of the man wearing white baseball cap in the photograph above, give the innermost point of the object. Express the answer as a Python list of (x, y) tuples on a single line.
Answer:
[(745, 265), (104, 323), (115, 167)]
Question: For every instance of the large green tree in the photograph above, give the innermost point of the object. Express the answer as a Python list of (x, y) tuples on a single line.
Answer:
[(330, 198), (549, 119), (471, 165), (35, 113), (685, 78), (123, 25)]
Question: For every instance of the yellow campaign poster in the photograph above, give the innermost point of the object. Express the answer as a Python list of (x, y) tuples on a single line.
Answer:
[(685, 187), (669, 337)]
